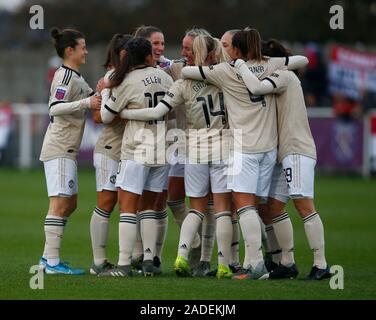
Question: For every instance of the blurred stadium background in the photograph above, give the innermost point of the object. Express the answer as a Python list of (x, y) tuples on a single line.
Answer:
[(340, 90)]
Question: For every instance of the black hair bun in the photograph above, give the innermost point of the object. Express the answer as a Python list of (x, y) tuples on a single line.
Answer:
[(55, 33)]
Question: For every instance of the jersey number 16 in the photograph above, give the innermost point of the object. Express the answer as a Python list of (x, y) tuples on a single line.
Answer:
[(153, 100)]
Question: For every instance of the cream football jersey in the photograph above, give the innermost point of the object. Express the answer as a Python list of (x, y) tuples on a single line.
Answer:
[(142, 141), (206, 117), (110, 138), (294, 133), (254, 116), (174, 70), (64, 133)]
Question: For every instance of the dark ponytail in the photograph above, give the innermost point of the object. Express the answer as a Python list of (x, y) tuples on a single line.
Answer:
[(55, 33), (273, 48), (116, 44), (248, 41), (64, 39), (138, 49)]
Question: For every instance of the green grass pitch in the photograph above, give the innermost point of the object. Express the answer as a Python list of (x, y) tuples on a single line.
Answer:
[(346, 205)]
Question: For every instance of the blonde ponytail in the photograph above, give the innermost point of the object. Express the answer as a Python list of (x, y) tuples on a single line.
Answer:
[(220, 54), (204, 45), (200, 49)]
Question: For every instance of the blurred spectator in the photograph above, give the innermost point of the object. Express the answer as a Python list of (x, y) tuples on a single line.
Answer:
[(314, 81), (5, 126), (310, 99), (345, 108)]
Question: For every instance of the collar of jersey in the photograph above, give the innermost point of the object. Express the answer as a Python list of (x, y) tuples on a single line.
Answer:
[(141, 67), (65, 67)]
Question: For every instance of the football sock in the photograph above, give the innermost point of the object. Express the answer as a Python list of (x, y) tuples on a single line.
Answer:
[(285, 236), (264, 237), (208, 233), (191, 224), (127, 237), (273, 247), (314, 230), (138, 249), (235, 242), (224, 236), (148, 227), (99, 228), (251, 229), (179, 210), (53, 229), (162, 227)]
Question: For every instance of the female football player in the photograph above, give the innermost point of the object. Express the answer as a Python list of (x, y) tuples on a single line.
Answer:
[(202, 249), (255, 151), (293, 176), (142, 170), (70, 97), (226, 41), (106, 161), (206, 118), (156, 38)]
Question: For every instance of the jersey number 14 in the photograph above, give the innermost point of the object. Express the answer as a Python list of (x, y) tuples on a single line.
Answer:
[(208, 107)]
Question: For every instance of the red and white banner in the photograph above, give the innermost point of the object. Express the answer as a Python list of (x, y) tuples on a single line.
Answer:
[(351, 72)]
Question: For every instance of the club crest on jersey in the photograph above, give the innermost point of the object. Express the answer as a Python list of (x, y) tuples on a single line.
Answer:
[(60, 93)]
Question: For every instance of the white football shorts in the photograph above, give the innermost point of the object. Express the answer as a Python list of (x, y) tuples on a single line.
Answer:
[(278, 187), (176, 170), (199, 178), (105, 172), (251, 172), (61, 177), (300, 175), (135, 177)]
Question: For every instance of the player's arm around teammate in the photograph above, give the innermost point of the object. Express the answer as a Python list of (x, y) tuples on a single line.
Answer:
[(200, 178), (106, 160), (69, 99), (200, 255), (137, 85), (255, 154), (157, 40), (293, 178)]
